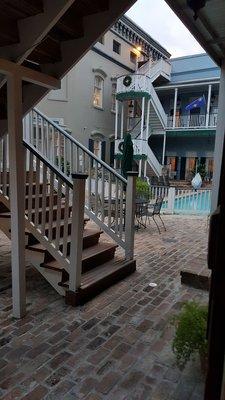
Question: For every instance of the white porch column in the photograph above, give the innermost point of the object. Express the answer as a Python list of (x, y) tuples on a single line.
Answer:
[(122, 120), (17, 194), (142, 117), (145, 168), (208, 105), (164, 148), (175, 107), (220, 131), (139, 168), (116, 119), (148, 117), (79, 181), (130, 213)]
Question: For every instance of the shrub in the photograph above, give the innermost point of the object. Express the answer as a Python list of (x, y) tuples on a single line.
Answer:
[(190, 334), (142, 188)]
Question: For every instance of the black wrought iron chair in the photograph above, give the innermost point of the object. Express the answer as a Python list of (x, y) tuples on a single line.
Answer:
[(154, 211)]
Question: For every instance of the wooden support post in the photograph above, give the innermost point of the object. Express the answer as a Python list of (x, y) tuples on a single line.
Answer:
[(130, 214), (17, 194), (79, 181), (219, 141)]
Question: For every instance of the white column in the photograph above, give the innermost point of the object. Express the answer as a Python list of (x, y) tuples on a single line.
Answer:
[(130, 213), (139, 168), (171, 199), (147, 122), (122, 119), (145, 168), (17, 194), (77, 231), (175, 107), (164, 148), (142, 117), (116, 119), (219, 141), (208, 105)]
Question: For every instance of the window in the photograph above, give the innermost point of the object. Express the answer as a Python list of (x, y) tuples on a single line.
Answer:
[(133, 57), (113, 104), (98, 92), (116, 47)]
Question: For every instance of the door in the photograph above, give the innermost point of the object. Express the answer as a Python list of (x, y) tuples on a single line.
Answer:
[(216, 320), (182, 168)]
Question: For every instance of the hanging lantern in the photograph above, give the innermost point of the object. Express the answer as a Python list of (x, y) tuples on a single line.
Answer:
[(196, 6)]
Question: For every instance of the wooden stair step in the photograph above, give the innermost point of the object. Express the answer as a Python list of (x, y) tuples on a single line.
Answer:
[(87, 233), (91, 257), (99, 279)]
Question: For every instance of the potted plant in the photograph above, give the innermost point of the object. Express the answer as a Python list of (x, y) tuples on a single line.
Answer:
[(190, 334)]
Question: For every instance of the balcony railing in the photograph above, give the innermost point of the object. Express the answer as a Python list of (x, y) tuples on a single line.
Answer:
[(134, 83), (193, 121)]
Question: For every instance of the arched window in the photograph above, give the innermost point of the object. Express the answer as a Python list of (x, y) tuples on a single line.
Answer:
[(98, 91)]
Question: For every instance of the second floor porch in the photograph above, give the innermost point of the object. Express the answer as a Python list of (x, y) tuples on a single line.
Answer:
[(193, 121)]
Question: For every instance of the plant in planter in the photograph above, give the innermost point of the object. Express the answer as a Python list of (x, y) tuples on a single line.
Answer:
[(190, 334), (142, 189)]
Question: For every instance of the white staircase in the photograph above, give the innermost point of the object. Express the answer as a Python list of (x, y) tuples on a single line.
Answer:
[(142, 147), (71, 256), (155, 69)]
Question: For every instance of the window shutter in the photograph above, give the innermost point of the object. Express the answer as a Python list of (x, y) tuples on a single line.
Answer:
[(103, 151), (112, 152), (91, 145)]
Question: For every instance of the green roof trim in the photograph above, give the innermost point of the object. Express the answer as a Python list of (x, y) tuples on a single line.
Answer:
[(191, 133), (132, 95)]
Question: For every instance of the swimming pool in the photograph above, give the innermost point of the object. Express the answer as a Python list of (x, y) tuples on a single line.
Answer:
[(198, 202)]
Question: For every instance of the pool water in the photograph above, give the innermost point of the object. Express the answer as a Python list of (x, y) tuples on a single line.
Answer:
[(197, 203)]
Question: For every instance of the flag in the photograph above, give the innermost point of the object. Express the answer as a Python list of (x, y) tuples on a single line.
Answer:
[(196, 103)]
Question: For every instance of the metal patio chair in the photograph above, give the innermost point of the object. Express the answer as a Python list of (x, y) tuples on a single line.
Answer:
[(154, 211)]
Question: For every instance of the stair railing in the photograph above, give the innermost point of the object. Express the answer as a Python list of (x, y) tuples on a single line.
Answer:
[(158, 108), (105, 189)]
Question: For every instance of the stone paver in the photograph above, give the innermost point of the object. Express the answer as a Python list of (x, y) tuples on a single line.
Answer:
[(116, 347)]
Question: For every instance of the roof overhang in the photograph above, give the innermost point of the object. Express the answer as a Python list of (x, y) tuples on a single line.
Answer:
[(208, 28)]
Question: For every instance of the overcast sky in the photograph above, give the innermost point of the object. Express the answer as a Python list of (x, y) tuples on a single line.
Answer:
[(157, 19)]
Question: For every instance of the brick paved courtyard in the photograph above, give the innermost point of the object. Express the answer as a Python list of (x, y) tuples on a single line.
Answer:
[(116, 347)]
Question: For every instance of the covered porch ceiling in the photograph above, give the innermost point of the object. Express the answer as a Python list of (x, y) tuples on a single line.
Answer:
[(208, 28)]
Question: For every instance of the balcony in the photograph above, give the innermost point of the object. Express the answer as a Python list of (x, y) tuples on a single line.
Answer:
[(192, 121), (133, 86)]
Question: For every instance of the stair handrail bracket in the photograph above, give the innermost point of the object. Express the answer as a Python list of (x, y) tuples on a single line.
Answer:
[(105, 188)]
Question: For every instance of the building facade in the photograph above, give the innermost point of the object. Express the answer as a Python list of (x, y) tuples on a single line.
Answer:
[(97, 108), (190, 134), (85, 105)]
